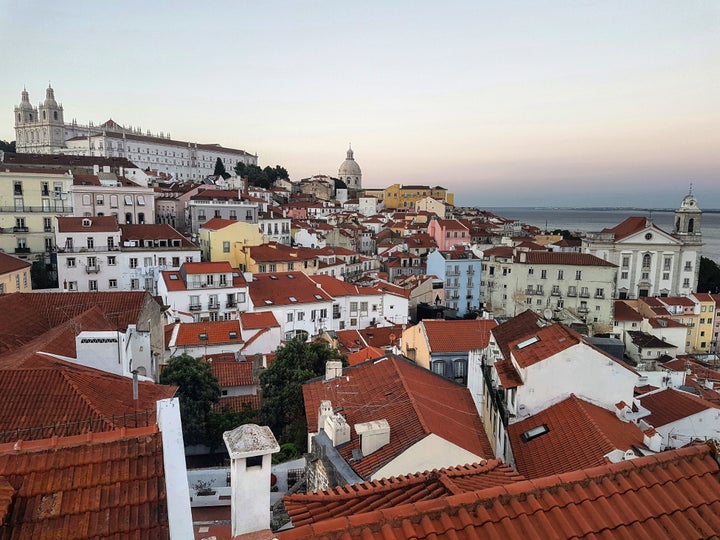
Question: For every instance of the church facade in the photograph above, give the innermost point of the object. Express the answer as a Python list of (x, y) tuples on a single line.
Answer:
[(651, 261), (43, 130)]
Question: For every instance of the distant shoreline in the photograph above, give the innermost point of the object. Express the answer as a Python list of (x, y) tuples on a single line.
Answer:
[(597, 208)]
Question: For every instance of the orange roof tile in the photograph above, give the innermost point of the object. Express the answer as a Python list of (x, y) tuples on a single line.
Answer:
[(364, 354), (414, 401), (624, 312), (670, 405), (550, 340), (95, 224), (214, 332), (153, 231), (259, 319), (525, 324), (109, 485), (627, 227), (8, 263), (207, 267), (215, 224), (232, 373), (579, 436), (280, 288), (457, 335), (561, 257), (669, 495), (508, 375), (387, 493), (237, 403)]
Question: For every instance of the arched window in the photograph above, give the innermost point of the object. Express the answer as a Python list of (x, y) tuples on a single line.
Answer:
[(460, 370), (55, 115), (44, 115), (646, 260), (141, 218), (128, 217), (691, 225), (438, 367)]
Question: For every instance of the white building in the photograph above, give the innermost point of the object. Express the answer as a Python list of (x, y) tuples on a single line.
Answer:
[(350, 173), (107, 194), (208, 291), (43, 130), (96, 254), (651, 261)]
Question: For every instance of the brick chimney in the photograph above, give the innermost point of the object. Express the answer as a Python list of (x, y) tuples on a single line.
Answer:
[(250, 447)]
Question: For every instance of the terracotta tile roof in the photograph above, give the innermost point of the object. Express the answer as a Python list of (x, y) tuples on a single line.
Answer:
[(237, 403), (109, 485), (382, 336), (46, 396), (279, 288), (669, 495), (232, 373), (669, 405), (665, 322), (563, 258), (630, 226), (414, 401), (96, 224), (579, 436), (274, 252), (215, 224), (173, 280), (550, 340), (207, 267), (457, 335), (216, 332), (644, 389), (678, 301), (26, 316), (8, 264), (624, 312), (388, 493), (259, 319), (508, 375), (525, 324), (365, 354)]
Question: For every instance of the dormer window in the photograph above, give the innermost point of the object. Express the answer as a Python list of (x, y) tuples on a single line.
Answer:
[(86, 223), (203, 336), (233, 335)]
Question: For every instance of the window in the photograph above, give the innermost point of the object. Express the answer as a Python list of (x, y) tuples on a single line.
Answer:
[(134, 284), (100, 200), (646, 260), (111, 260), (363, 308), (133, 262), (91, 263), (686, 282), (599, 293), (353, 307), (667, 262), (128, 200), (71, 262), (438, 367), (90, 242), (86, 200), (666, 275), (290, 316), (162, 261), (300, 315), (17, 188), (543, 274), (112, 283), (113, 201), (560, 274), (176, 262), (531, 271), (92, 285), (226, 246), (623, 275), (141, 200), (578, 274), (625, 261)]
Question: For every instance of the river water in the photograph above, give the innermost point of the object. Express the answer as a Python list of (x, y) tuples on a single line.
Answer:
[(588, 220)]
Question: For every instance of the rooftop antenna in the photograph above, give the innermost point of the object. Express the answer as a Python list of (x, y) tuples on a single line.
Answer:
[(691, 188)]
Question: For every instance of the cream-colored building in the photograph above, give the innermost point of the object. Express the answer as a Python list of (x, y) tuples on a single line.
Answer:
[(428, 204), (224, 240), (14, 274), (569, 287), (30, 199)]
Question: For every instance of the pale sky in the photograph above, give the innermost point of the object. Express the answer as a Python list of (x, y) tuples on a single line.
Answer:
[(505, 103)]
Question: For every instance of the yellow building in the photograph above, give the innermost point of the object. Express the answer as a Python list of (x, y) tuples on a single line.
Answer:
[(701, 335), (29, 200), (397, 196), (14, 274), (273, 257), (224, 240)]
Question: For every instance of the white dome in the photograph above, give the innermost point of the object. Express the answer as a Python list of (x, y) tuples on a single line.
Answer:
[(349, 167), (50, 98)]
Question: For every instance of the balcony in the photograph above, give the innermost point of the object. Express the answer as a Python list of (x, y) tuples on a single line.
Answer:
[(39, 209), (22, 250), (600, 296), (214, 305), (583, 310), (195, 307), (20, 229), (49, 229), (76, 249), (555, 292), (572, 292), (230, 304), (584, 294), (92, 269)]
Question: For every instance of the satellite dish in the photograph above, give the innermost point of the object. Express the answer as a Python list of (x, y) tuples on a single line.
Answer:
[(547, 314)]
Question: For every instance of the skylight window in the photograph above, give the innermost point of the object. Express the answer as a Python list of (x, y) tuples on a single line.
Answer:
[(534, 433), (174, 277), (528, 342), (203, 336), (318, 297), (233, 335), (268, 302), (293, 299), (273, 277)]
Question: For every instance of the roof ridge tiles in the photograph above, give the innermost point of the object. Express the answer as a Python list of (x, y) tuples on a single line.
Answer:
[(411, 397)]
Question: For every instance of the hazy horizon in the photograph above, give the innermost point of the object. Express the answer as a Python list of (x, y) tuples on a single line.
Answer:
[(505, 104)]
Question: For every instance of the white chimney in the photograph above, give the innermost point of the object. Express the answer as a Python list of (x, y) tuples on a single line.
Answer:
[(333, 369), (324, 411), (337, 429), (373, 435), (250, 447), (652, 439)]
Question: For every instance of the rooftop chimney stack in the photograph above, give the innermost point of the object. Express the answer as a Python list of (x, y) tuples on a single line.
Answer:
[(136, 389), (250, 447), (333, 369), (373, 435)]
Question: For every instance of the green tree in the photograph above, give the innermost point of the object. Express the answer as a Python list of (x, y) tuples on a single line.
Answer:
[(219, 168), (6, 146), (226, 420), (709, 276), (39, 275), (283, 408), (198, 389)]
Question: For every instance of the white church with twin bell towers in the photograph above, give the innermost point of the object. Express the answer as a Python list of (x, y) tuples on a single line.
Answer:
[(43, 130), (651, 261)]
